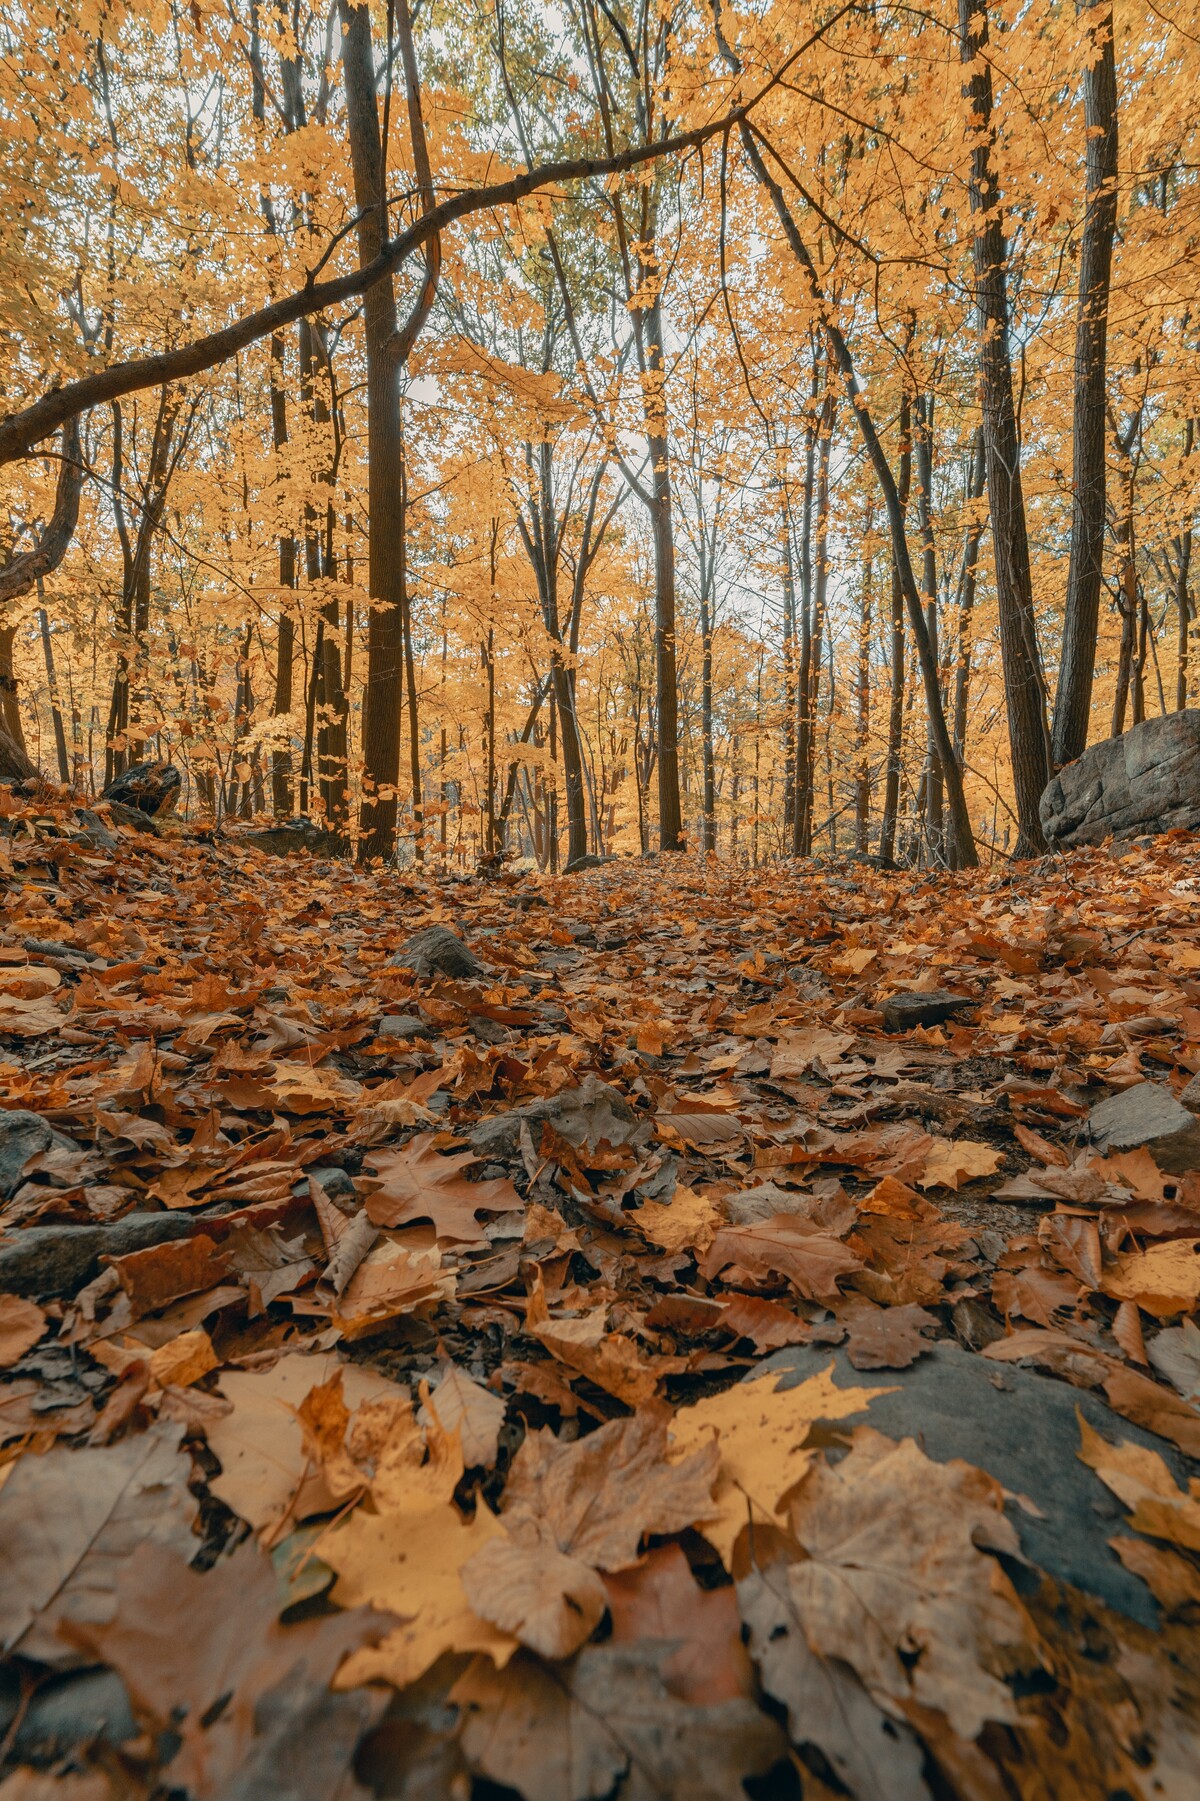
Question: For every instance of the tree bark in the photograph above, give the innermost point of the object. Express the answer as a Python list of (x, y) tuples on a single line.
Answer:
[(891, 787), (24, 571), (1024, 685), (1072, 706)]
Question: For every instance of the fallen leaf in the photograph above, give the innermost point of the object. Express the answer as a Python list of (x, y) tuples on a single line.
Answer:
[(759, 1430), (461, 1405), (1163, 1278), (659, 1601), (897, 1584), (22, 1324), (72, 1521), (1139, 1477), (608, 1724), (786, 1245), (418, 1182), (951, 1162), (688, 1223)]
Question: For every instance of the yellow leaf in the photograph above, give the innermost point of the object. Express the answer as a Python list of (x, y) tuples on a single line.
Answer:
[(952, 1162)]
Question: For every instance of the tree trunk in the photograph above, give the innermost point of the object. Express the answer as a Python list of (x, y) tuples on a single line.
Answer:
[(1024, 685), (972, 539), (20, 574), (891, 788), (708, 805), (670, 811), (1072, 707), (282, 794), (1183, 597), (934, 824)]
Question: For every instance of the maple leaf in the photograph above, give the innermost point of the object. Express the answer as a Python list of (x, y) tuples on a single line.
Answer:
[(897, 1584), (785, 1245), (758, 1430), (418, 1182)]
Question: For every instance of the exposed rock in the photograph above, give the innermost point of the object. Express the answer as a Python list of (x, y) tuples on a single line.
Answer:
[(50, 1260), (1148, 1114), (1147, 780), (901, 1012), (95, 830), (583, 1116), (22, 1136), (133, 817), (1025, 1433), (436, 951), (402, 1027), (151, 788), (296, 837), (588, 861), (1190, 1096)]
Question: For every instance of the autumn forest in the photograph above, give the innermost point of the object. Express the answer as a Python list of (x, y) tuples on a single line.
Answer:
[(532, 430), (599, 956)]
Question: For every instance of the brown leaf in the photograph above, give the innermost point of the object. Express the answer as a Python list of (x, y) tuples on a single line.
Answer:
[(22, 1324), (660, 1601), (787, 1246), (461, 1406), (897, 1583), (886, 1337), (418, 1182), (198, 1654)]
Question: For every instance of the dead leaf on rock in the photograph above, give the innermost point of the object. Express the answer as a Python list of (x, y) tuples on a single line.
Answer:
[(897, 1584), (788, 1246), (758, 1430)]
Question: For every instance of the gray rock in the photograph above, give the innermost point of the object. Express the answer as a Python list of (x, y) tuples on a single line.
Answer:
[(583, 1116), (133, 817), (752, 1205), (901, 1012), (1147, 780), (588, 861), (437, 951), (50, 1260), (337, 1182), (1024, 1433), (95, 830), (295, 838), (151, 788), (1147, 1114), (22, 1136), (402, 1027), (1190, 1096)]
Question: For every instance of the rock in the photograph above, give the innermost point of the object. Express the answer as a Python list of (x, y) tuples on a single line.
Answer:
[(95, 831), (749, 1206), (22, 1136), (1147, 1114), (337, 1182), (1025, 1433), (583, 1116), (133, 817), (1190, 1096), (436, 951), (50, 1260), (588, 861), (1147, 780), (296, 837), (151, 788), (402, 1027), (901, 1012)]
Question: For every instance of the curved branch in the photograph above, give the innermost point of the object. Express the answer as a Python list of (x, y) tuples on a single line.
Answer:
[(24, 570), (20, 431)]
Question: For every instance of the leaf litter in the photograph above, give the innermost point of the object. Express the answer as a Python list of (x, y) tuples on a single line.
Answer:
[(390, 1406)]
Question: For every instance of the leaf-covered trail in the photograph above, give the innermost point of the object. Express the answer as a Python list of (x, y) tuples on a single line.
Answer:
[(385, 1320)]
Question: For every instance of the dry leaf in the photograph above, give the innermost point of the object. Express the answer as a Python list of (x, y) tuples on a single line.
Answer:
[(22, 1324), (759, 1430)]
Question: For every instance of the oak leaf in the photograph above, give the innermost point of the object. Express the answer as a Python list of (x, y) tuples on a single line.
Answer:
[(418, 1182)]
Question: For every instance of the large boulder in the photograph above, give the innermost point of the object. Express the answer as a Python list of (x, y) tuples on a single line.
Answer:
[(150, 788), (1147, 780)]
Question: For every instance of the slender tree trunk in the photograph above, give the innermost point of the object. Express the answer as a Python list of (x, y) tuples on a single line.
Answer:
[(972, 539), (708, 808), (806, 774), (1024, 685), (670, 811), (1072, 707), (891, 789), (1183, 597), (862, 734), (934, 824), (282, 793), (804, 720)]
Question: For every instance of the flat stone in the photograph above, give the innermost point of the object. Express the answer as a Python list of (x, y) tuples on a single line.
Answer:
[(402, 1027), (902, 1012), (437, 951), (1147, 780), (1147, 1114), (1024, 1433)]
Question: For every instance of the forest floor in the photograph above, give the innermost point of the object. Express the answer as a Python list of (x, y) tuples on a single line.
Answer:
[(626, 1368)]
